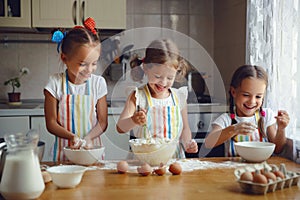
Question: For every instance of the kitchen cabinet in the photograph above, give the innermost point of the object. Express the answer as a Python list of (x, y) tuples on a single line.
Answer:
[(14, 125), (116, 145), (38, 123), (68, 13), (15, 13)]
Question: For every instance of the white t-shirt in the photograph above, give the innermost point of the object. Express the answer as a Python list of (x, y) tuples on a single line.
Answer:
[(97, 86)]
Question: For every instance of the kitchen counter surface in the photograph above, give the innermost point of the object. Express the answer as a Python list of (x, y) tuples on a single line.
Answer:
[(216, 183), (37, 109)]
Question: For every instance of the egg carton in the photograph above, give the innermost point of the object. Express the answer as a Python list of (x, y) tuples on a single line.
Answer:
[(291, 179)]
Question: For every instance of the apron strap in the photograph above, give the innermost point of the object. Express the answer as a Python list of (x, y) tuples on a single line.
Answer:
[(257, 117), (65, 81), (148, 95), (174, 97)]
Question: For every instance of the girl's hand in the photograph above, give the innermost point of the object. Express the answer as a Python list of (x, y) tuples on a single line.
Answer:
[(191, 146), (88, 143), (283, 119), (76, 142), (139, 117), (244, 128)]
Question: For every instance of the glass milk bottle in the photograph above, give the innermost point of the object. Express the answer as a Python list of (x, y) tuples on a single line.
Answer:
[(22, 177)]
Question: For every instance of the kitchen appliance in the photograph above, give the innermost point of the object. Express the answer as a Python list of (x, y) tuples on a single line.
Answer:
[(200, 125), (197, 88)]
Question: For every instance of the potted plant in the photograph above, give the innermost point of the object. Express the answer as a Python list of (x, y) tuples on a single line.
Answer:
[(14, 82)]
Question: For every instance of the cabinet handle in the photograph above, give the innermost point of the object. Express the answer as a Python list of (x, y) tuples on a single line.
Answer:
[(82, 12), (74, 12)]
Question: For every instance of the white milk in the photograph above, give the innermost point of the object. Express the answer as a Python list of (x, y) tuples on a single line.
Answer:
[(22, 177)]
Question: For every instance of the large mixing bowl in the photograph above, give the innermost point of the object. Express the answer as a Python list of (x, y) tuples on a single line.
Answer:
[(84, 156), (255, 151), (153, 151)]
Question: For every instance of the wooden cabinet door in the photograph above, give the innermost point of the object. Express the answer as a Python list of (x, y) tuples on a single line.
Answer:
[(54, 13), (15, 13), (108, 14)]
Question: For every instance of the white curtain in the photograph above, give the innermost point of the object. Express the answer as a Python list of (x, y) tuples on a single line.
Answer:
[(273, 29)]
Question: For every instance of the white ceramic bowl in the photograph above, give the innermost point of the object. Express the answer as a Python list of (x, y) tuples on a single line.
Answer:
[(66, 176), (255, 151), (84, 156), (153, 153)]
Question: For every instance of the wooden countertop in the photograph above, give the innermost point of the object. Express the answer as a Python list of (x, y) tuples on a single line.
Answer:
[(199, 184)]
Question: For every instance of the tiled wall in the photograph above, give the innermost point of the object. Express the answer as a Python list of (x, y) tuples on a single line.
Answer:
[(210, 22)]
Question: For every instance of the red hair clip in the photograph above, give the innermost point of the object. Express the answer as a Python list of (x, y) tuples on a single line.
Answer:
[(89, 24), (263, 113), (232, 115)]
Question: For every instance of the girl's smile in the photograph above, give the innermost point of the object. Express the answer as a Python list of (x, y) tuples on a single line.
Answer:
[(248, 96), (82, 64), (160, 79)]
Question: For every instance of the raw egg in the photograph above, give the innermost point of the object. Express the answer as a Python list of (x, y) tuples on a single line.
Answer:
[(246, 176), (161, 170), (259, 178), (269, 175), (122, 167), (144, 170), (175, 168), (279, 174)]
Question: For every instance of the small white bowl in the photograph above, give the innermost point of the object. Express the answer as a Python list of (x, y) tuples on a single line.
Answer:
[(66, 176), (84, 156), (255, 151)]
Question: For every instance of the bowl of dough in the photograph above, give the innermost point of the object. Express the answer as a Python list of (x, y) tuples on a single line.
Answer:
[(84, 156), (154, 151), (254, 151)]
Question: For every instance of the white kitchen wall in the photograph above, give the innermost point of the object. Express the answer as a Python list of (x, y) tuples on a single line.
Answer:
[(194, 18)]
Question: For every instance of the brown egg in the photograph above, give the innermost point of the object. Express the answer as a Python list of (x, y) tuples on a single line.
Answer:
[(122, 167), (144, 170), (160, 171), (246, 176), (259, 178), (175, 168), (269, 175), (279, 174)]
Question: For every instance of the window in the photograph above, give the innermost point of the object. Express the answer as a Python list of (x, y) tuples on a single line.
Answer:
[(273, 41)]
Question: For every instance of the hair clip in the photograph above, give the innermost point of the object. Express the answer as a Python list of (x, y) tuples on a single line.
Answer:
[(57, 37), (263, 113), (89, 24), (232, 116)]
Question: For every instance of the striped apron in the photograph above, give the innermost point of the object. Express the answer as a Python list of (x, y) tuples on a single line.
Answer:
[(256, 136), (76, 113), (164, 121)]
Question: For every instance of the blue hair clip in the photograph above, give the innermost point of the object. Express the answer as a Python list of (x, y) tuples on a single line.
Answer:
[(57, 37)]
